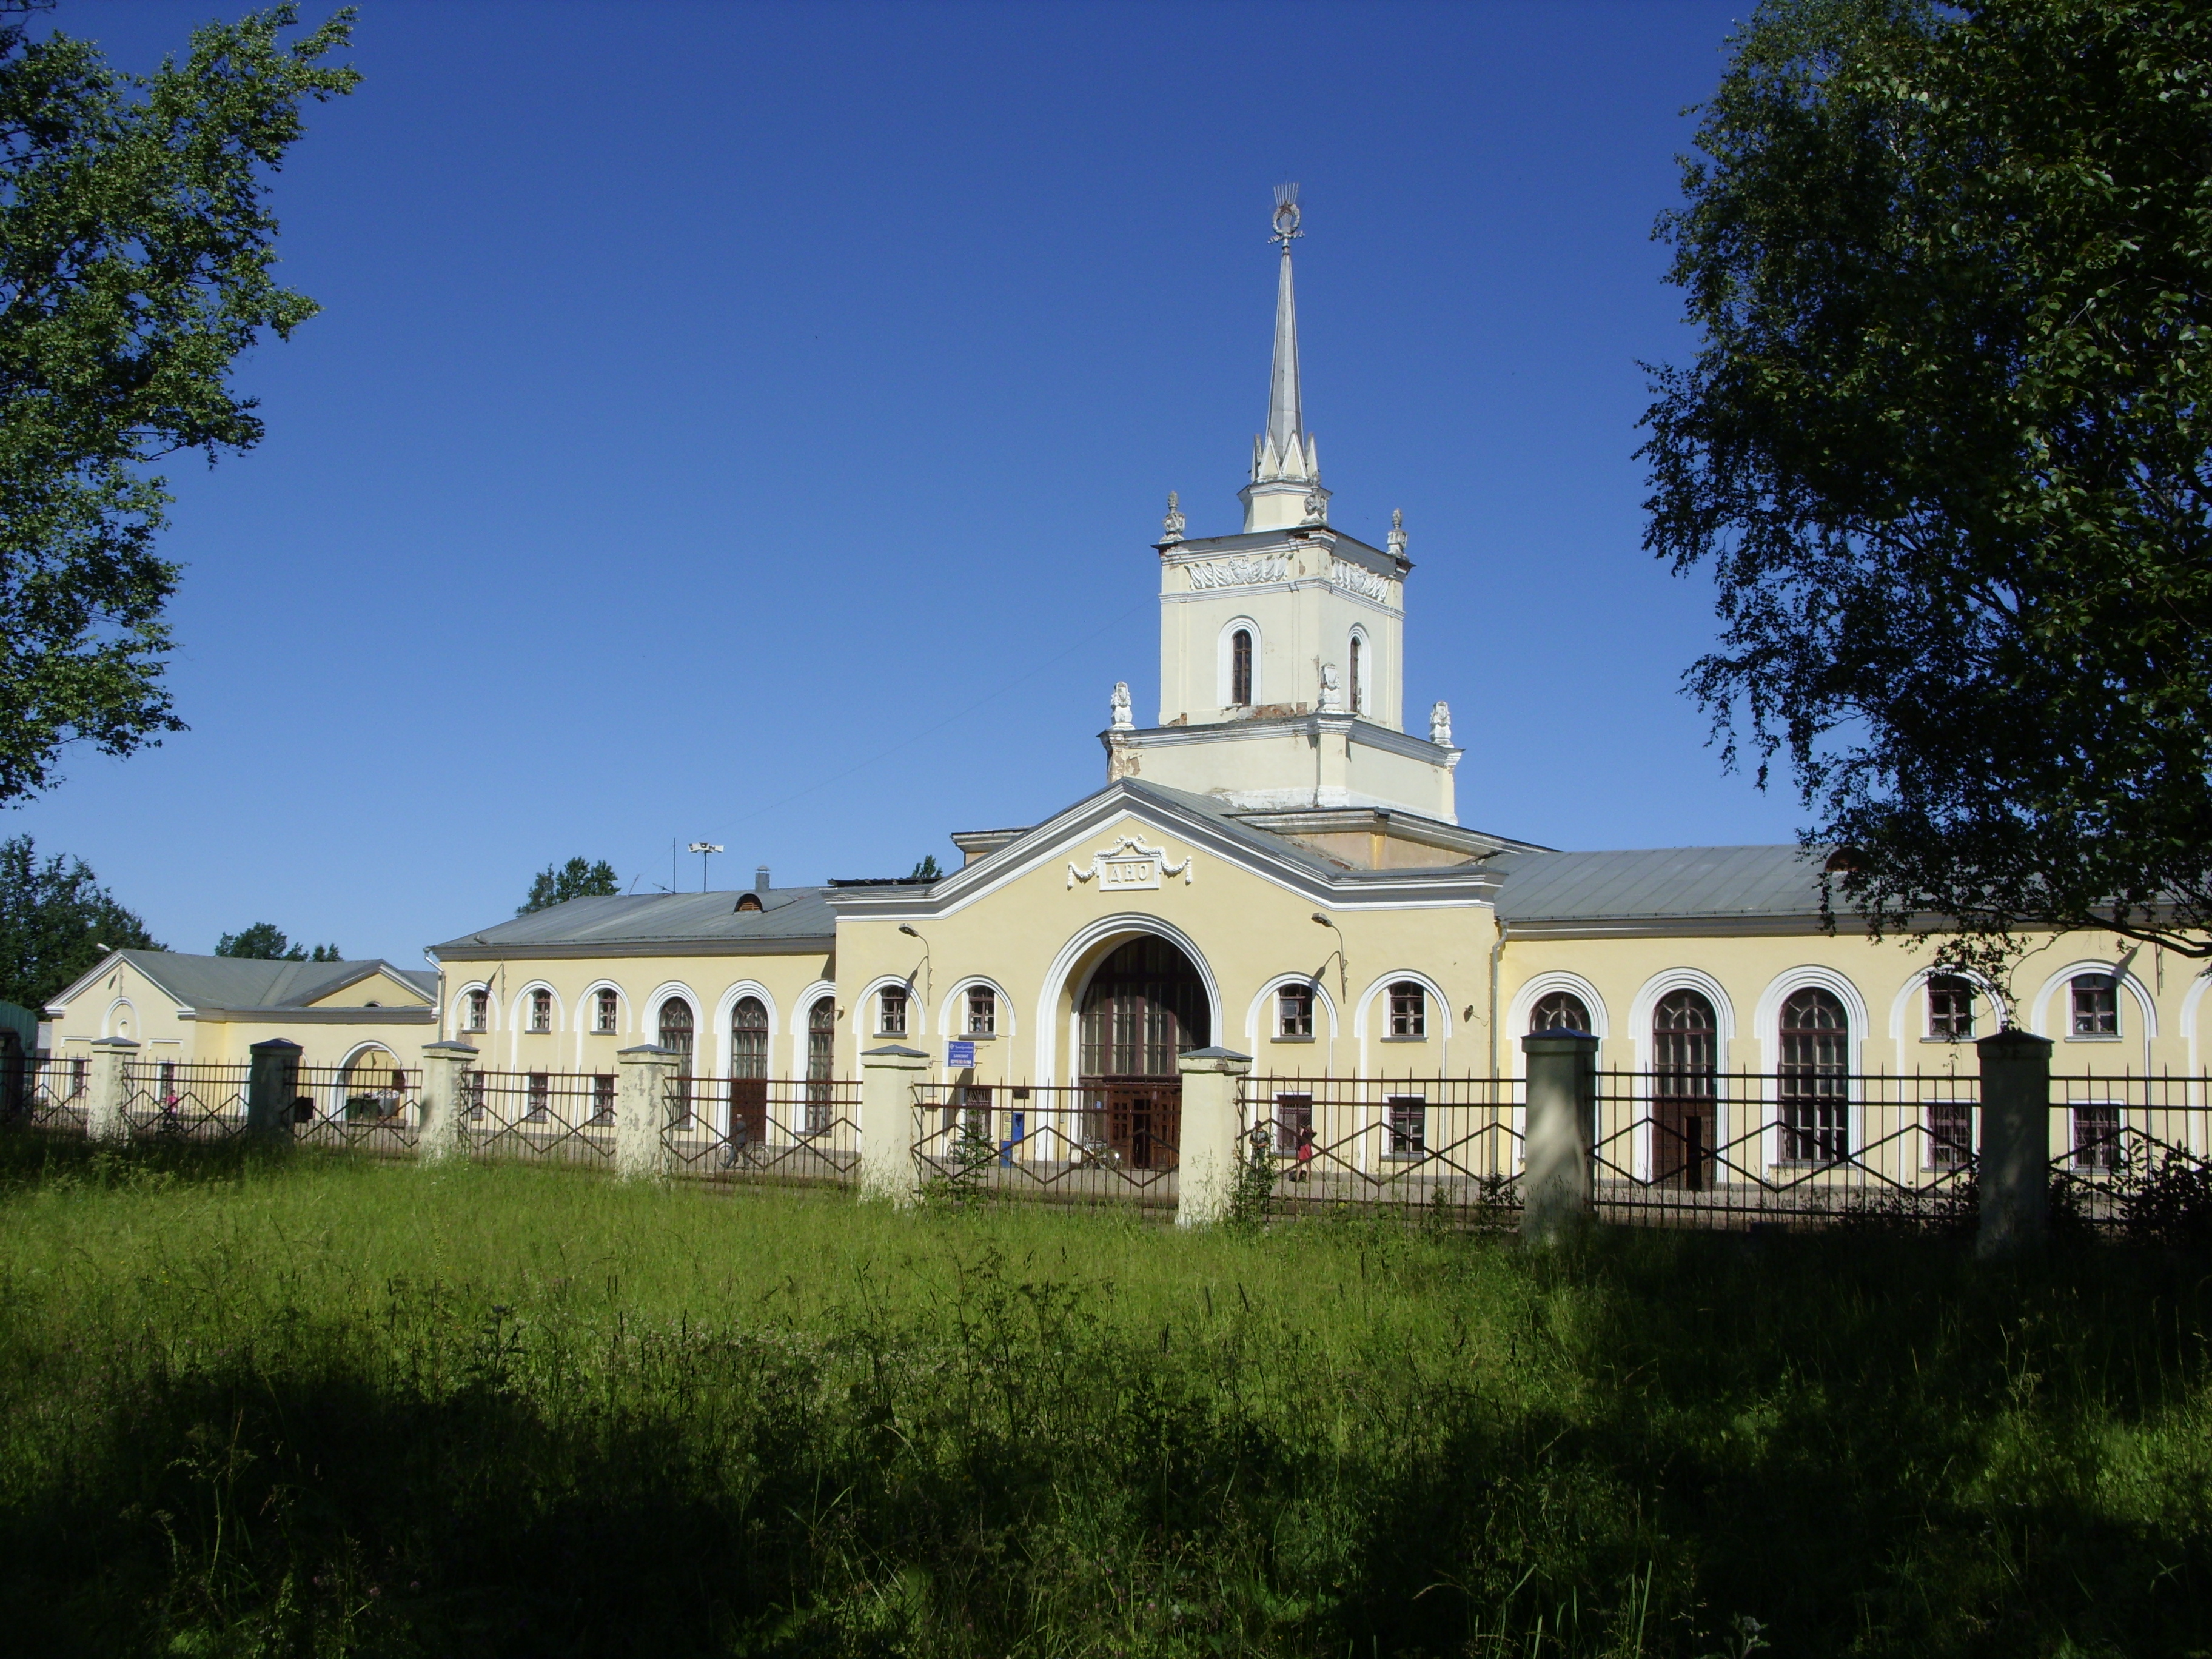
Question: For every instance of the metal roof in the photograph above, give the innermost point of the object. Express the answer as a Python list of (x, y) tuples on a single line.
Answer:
[(1659, 881), (250, 982), (786, 913)]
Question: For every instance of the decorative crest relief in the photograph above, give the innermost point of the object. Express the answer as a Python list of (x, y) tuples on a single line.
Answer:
[(1128, 866), (1240, 573), (1332, 693)]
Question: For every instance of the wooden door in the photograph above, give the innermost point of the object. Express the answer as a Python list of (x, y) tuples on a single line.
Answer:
[(1143, 1123)]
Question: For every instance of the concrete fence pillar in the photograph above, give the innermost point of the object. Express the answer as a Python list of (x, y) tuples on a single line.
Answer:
[(271, 1086), (444, 1130), (2014, 1170), (106, 1114), (888, 1171), (1212, 1126), (1557, 1180), (641, 1114)]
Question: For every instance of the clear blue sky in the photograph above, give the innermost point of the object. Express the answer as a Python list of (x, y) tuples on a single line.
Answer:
[(751, 423)]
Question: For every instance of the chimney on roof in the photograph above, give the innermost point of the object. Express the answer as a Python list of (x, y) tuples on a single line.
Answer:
[(760, 878)]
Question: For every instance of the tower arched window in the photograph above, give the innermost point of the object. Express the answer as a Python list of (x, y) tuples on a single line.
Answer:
[(1240, 667), (749, 1038), (1358, 687), (675, 1033), (821, 1061)]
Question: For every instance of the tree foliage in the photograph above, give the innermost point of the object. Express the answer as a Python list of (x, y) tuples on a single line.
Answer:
[(54, 917), (135, 257), (265, 942), (1947, 449), (926, 870), (556, 884)]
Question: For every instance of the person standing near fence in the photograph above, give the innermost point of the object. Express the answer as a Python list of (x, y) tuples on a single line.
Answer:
[(1305, 1151)]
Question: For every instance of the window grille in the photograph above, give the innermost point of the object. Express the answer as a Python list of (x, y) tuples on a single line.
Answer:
[(609, 1013), (1409, 1011), (1814, 1078), (1409, 1123), (821, 1061), (1950, 1007), (983, 1012), (1950, 1134), (2097, 1136), (479, 1012), (1562, 1011), (1294, 1010), (1240, 667), (2096, 1005), (749, 1038), (541, 1011), (892, 1001)]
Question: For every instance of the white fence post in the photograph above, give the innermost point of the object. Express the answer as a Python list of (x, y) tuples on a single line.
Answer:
[(444, 1128), (1206, 1161), (641, 1112), (1557, 1187), (2014, 1172), (106, 1117), (888, 1171)]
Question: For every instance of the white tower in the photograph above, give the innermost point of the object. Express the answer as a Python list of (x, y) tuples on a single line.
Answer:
[(1281, 675)]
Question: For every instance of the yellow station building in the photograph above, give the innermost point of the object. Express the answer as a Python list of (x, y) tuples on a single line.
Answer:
[(1275, 865)]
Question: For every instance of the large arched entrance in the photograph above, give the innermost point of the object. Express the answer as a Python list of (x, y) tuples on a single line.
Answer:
[(1145, 1005)]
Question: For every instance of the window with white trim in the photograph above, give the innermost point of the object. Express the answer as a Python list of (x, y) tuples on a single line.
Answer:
[(1240, 667), (606, 1021), (2096, 1004), (541, 1011), (1408, 1123), (1950, 1007), (1294, 1010), (1561, 1011), (476, 1012), (891, 1011), (982, 1011), (1409, 1011)]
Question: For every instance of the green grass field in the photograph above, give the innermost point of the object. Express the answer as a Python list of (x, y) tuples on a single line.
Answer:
[(324, 1406)]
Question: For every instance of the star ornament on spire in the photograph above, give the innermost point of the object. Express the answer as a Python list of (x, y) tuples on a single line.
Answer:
[(1286, 216)]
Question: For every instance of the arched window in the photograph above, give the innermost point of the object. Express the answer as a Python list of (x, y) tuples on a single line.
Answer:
[(609, 1019), (541, 1011), (891, 1011), (748, 1073), (1294, 1010), (821, 1061), (2096, 1000), (1409, 1011), (1685, 1088), (478, 1013), (1240, 667), (749, 1038), (1359, 685), (676, 1032), (1562, 1011), (1814, 1078)]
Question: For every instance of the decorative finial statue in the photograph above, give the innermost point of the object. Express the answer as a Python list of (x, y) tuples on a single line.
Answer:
[(1119, 708), (1316, 507), (1332, 695), (1440, 724), (1173, 520), (1286, 216), (1398, 538)]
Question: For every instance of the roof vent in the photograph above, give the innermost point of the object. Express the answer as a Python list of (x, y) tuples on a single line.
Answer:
[(760, 878)]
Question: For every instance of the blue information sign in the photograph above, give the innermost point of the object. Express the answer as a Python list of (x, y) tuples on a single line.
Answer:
[(958, 1054)]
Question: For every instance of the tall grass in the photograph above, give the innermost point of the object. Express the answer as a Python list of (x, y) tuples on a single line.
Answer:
[(322, 1405)]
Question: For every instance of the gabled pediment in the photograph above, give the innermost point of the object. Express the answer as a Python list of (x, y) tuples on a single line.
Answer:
[(1132, 836)]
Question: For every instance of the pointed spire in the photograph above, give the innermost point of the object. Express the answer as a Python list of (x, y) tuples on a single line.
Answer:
[(1284, 461), (1285, 416)]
